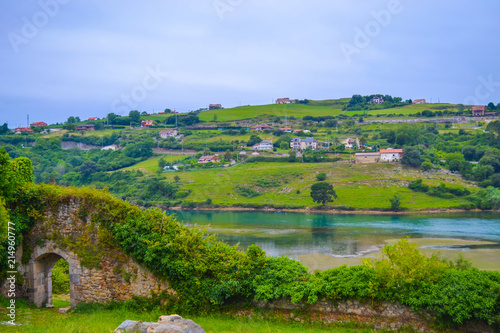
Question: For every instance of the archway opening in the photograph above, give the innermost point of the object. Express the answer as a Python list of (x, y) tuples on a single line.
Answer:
[(61, 284)]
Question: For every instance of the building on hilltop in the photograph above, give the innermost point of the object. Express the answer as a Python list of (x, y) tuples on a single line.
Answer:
[(260, 127), (214, 106), (23, 129), (478, 110), (168, 133), (365, 158), (283, 101), (208, 158), (303, 144), (38, 124), (377, 100), (85, 127), (263, 145), (147, 123), (351, 143), (419, 101), (391, 155)]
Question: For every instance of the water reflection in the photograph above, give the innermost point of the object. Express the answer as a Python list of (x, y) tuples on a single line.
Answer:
[(294, 234)]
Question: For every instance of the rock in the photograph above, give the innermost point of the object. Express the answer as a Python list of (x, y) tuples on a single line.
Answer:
[(166, 324), (132, 326), (63, 310)]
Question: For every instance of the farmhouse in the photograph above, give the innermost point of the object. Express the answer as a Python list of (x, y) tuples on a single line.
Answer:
[(303, 144), (208, 158), (168, 133), (260, 127), (283, 101), (85, 127), (38, 124), (263, 145), (23, 129), (391, 155), (478, 110), (147, 123), (419, 101), (362, 158), (350, 143), (214, 106), (92, 118), (377, 100)]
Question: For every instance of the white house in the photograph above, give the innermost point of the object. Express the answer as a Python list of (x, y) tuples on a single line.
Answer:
[(349, 143), (263, 145), (303, 144), (168, 133), (391, 155)]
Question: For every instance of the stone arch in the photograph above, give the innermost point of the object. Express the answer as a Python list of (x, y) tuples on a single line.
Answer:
[(38, 274)]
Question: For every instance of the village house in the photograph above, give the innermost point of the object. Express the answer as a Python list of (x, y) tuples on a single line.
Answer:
[(263, 145), (23, 129), (377, 100), (419, 101), (283, 101), (208, 158), (478, 110), (168, 133), (85, 127), (214, 107), (38, 124), (364, 158), (303, 144), (260, 127), (350, 143), (92, 118), (147, 123), (286, 129), (391, 155)]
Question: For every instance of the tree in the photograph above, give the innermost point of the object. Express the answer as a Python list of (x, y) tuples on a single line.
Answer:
[(321, 176), (4, 129), (395, 202), (322, 193), (292, 157), (227, 155), (162, 163), (215, 118), (254, 139), (112, 118), (71, 120), (283, 145), (88, 168), (426, 166), (135, 116), (411, 157)]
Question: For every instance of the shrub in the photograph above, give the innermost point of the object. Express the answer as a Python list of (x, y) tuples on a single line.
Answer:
[(246, 191), (321, 176)]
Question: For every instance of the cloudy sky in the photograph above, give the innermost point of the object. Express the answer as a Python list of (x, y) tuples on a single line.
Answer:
[(61, 58)]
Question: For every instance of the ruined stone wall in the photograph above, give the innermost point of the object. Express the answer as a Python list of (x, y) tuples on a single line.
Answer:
[(99, 270)]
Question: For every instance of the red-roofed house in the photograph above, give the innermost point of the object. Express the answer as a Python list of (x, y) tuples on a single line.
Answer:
[(478, 110), (23, 129), (214, 107), (147, 123), (419, 101), (92, 118), (38, 124), (208, 158), (391, 155), (260, 127), (283, 101)]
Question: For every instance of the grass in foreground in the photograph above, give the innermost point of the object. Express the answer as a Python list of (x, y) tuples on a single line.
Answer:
[(35, 320)]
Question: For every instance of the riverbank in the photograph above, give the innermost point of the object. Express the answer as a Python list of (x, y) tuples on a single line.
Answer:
[(329, 211)]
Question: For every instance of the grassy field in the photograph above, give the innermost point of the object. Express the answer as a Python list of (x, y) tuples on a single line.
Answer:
[(151, 165), (35, 320), (301, 110), (358, 186)]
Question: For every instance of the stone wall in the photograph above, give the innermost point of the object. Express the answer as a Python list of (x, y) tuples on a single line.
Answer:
[(99, 271)]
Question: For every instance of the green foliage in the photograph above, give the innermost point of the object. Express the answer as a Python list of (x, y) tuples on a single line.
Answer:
[(411, 157), (246, 191), (395, 202), (60, 278), (426, 166), (321, 176), (322, 193)]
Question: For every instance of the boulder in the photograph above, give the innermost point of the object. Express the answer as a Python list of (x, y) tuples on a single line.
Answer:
[(166, 324)]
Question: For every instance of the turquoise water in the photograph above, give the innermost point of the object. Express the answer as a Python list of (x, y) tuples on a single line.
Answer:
[(294, 234)]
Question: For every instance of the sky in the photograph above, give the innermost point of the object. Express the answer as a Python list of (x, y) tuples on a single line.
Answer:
[(61, 58)]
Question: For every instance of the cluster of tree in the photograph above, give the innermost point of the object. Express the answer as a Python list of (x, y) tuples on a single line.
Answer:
[(358, 102), (184, 119)]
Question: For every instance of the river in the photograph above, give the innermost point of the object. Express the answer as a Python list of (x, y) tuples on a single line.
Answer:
[(324, 241)]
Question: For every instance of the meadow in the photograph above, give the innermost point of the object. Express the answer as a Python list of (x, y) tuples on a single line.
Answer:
[(361, 187)]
